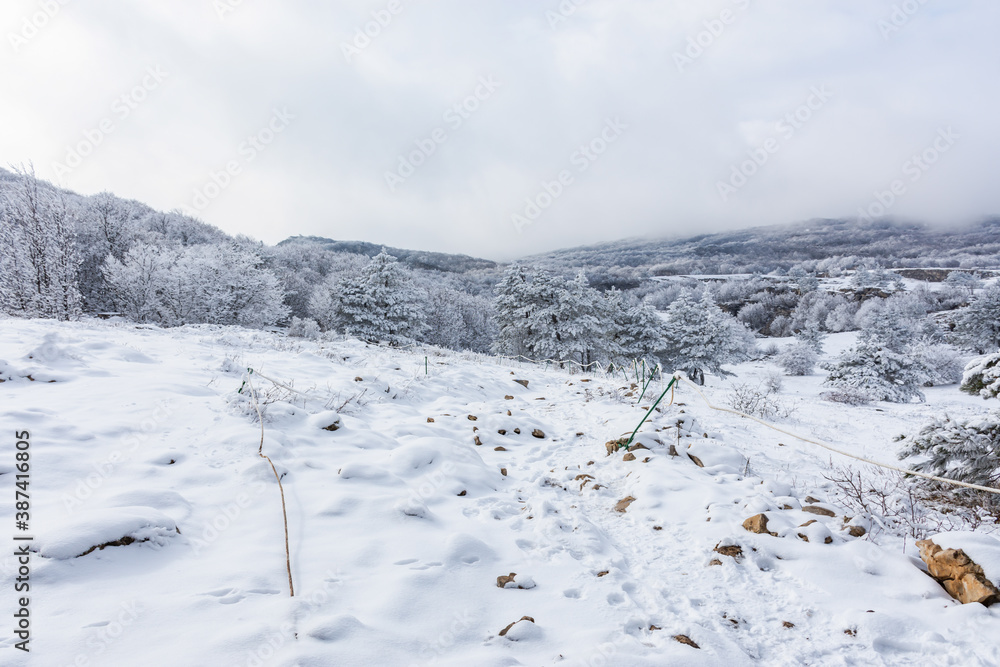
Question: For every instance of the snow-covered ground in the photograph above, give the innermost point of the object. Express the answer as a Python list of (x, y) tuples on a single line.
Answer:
[(400, 521)]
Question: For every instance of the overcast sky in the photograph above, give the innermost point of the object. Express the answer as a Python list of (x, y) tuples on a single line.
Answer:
[(501, 128)]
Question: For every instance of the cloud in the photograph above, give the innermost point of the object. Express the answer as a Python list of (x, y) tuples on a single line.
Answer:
[(702, 86)]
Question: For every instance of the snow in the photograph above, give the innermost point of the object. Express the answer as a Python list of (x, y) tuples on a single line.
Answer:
[(400, 526)]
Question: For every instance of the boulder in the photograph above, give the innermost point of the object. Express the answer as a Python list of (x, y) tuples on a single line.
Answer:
[(758, 524), (960, 575)]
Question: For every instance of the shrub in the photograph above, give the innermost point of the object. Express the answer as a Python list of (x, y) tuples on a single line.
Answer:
[(798, 358)]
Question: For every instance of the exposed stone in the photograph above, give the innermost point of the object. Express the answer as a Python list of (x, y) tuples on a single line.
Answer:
[(430, 420), (463, 493), (684, 639), (335, 426), (472, 418), (653, 628), (479, 443), (517, 431), (623, 504), (508, 397), (503, 471), (673, 451), (960, 575), (821, 511), (503, 633), (629, 456), (602, 573), (499, 449), (505, 579), (807, 523), (359, 379), (787, 624), (715, 561), (523, 383), (731, 550), (696, 460), (758, 524), (810, 499), (636, 446), (538, 433), (856, 531), (502, 431)]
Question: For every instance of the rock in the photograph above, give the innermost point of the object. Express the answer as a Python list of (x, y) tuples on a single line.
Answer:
[(637, 446), (472, 418), (623, 504), (821, 511), (502, 431), (787, 624), (731, 550), (503, 471), (504, 579), (673, 451), (653, 628), (463, 493), (684, 639), (807, 523), (960, 575), (430, 420), (335, 426), (517, 431), (696, 460), (479, 443), (508, 398), (538, 433), (503, 633), (810, 499), (758, 524), (499, 449), (714, 561), (856, 531), (359, 379), (602, 573), (523, 383), (509, 414), (629, 456)]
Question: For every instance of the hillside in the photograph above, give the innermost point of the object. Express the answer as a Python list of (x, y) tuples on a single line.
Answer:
[(416, 259), (411, 488), (763, 249)]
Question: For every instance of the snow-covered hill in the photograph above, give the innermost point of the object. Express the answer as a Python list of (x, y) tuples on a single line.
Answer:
[(431, 482)]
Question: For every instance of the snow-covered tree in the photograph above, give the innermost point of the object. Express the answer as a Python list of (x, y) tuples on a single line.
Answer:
[(38, 258), (880, 366), (979, 323), (811, 335), (700, 337), (513, 312), (380, 304), (942, 363), (134, 282), (215, 284), (982, 376), (964, 281), (967, 451), (637, 332), (799, 358)]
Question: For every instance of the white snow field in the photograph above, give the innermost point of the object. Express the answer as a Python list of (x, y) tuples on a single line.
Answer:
[(400, 526)]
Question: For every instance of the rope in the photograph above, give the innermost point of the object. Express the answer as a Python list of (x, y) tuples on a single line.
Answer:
[(831, 448), (260, 451)]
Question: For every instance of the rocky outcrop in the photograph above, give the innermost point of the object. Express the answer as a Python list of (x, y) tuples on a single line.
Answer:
[(960, 575)]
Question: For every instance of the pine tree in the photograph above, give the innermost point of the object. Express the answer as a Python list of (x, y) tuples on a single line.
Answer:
[(967, 451), (880, 367), (812, 335), (512, 312), (700, 337), (380, 304), (979, 324), (982, 376)]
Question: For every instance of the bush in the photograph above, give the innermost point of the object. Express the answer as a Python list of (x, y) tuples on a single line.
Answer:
[(304, 328), (759, 401), (797, 359), (965, 451), (982, 376), (942, 364)]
